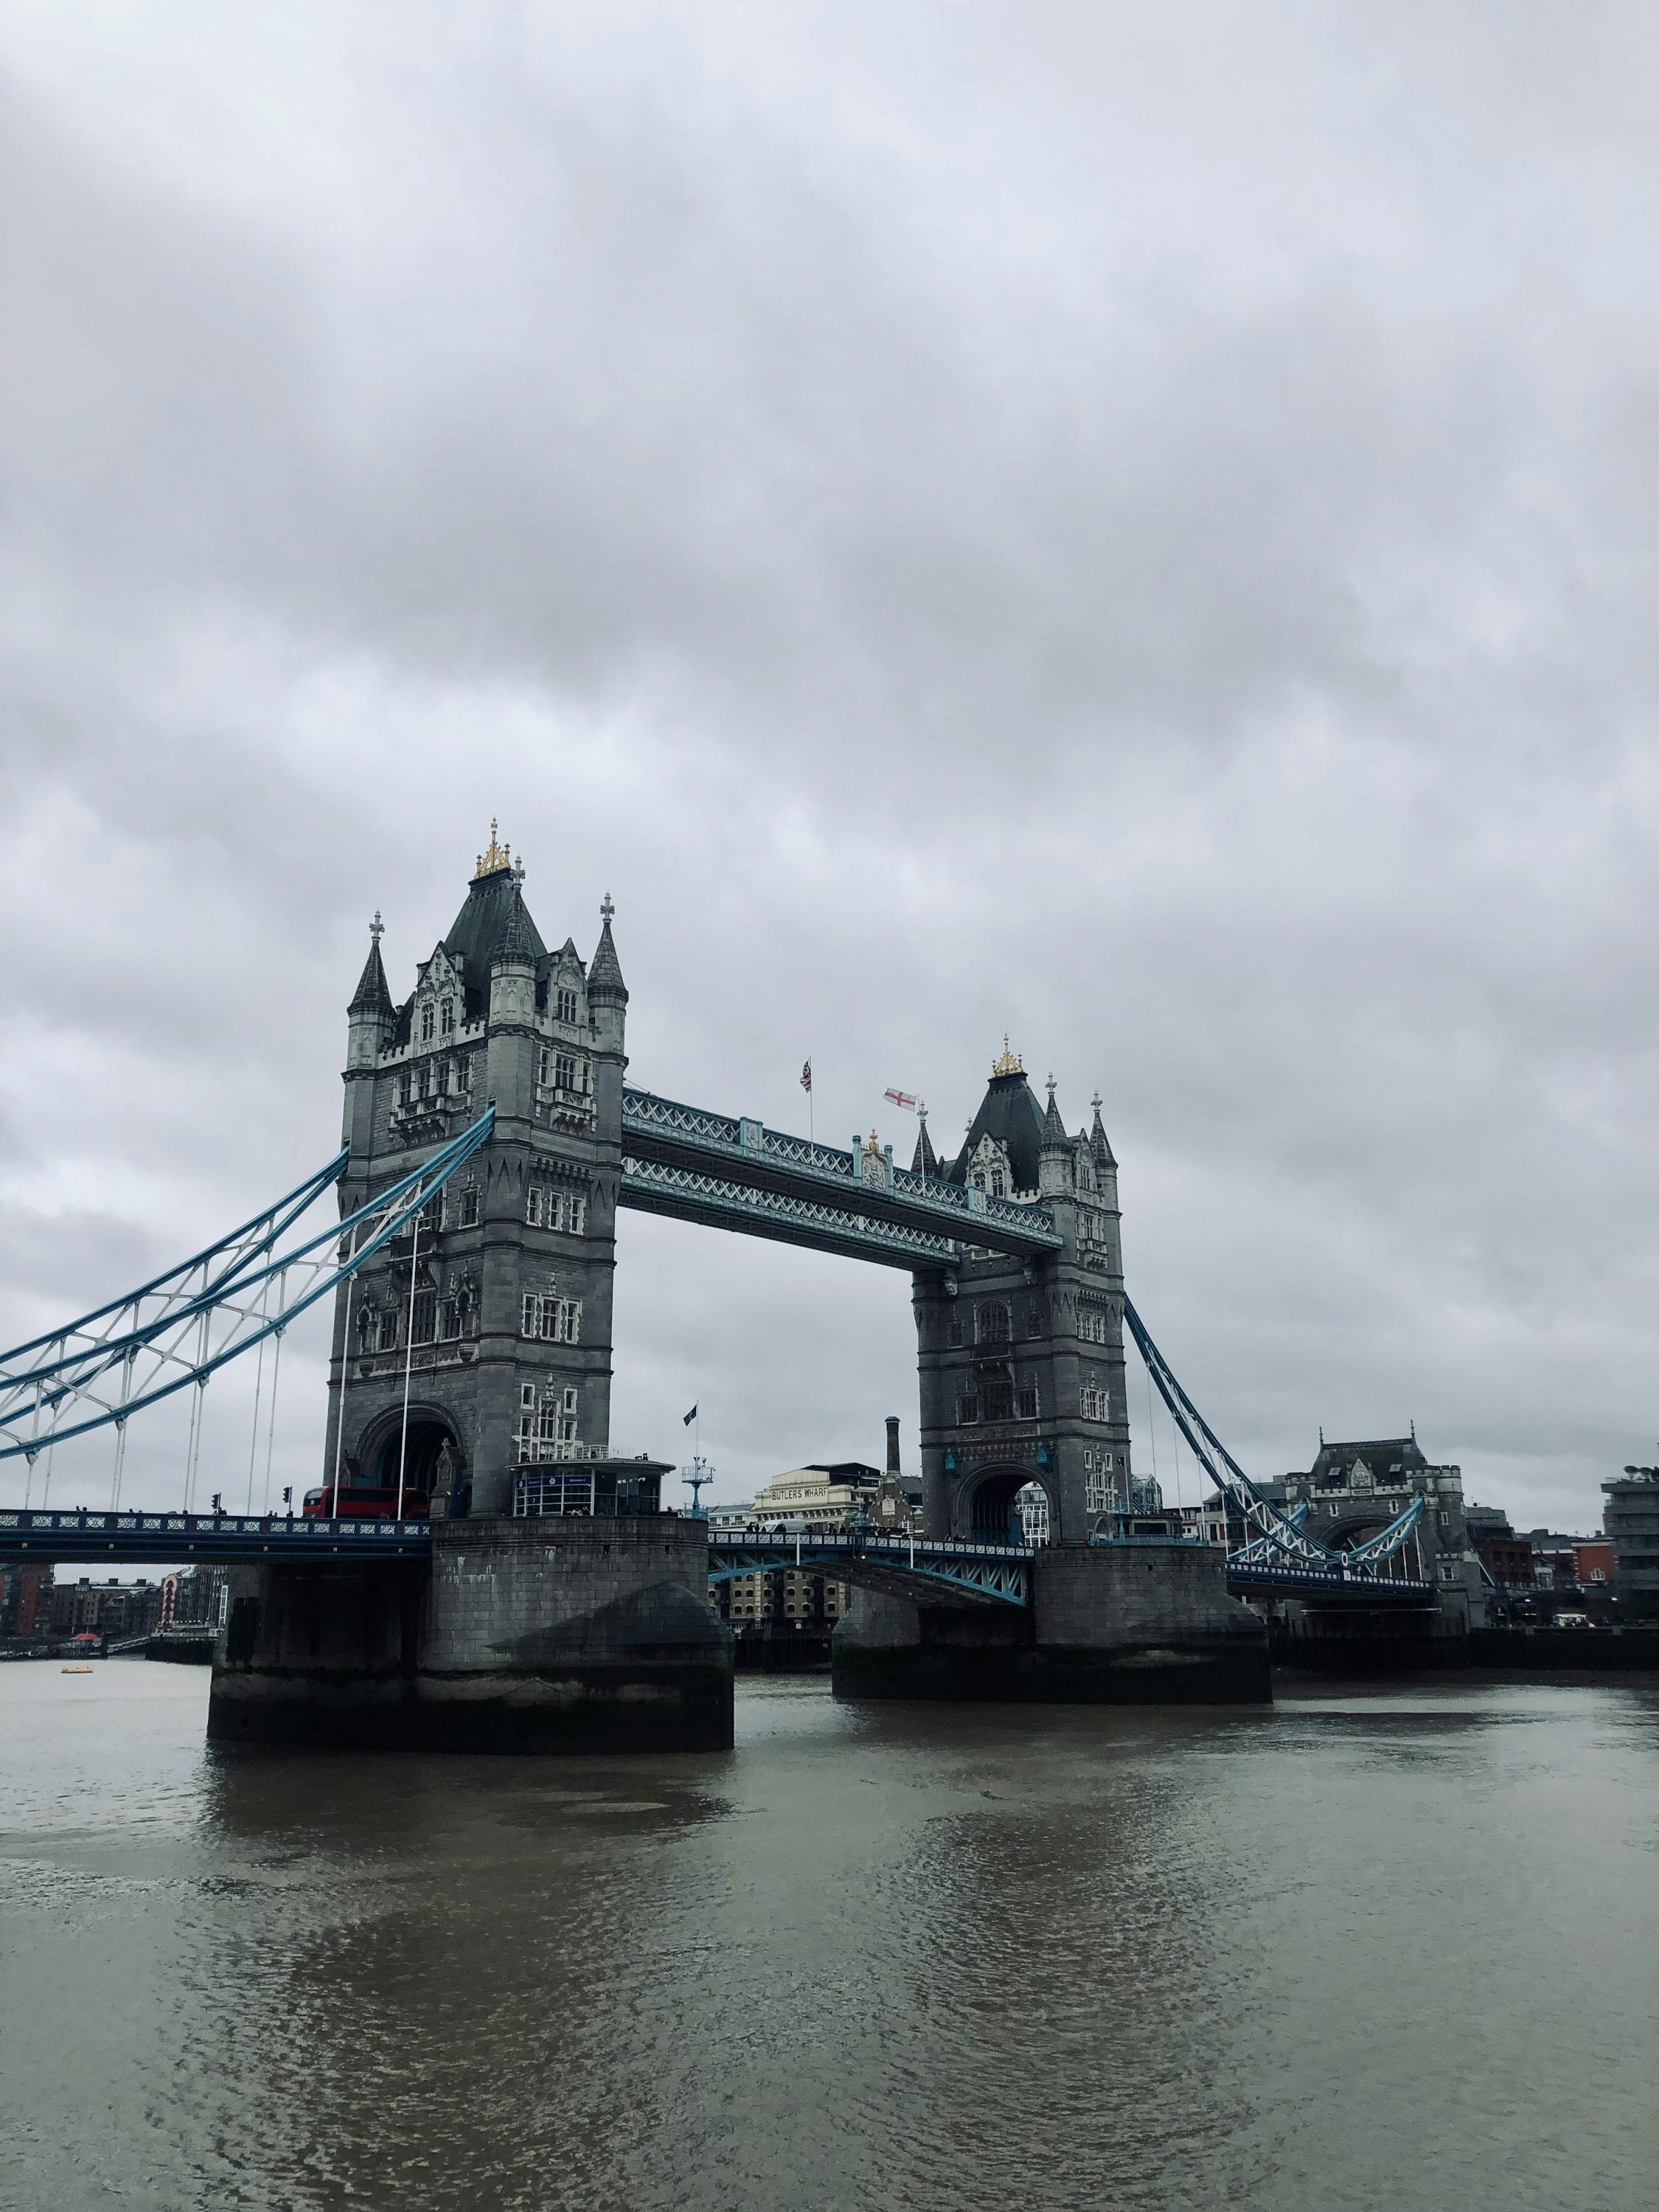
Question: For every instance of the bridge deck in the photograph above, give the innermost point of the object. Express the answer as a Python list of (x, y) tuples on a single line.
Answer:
[(904, 1566), (914, 1567), (170, 1538), (735, 1173), (1332, 1587)]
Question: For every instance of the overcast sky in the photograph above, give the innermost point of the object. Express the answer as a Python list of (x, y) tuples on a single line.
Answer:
[(1127, 525)]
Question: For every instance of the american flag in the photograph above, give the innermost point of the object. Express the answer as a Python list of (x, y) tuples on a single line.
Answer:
[(806, 1076)]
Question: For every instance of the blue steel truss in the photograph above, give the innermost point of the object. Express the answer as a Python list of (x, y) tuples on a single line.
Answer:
[(691, 1194), (1278, 1551), (866, 1185), (184, 1326), (914, 1567)]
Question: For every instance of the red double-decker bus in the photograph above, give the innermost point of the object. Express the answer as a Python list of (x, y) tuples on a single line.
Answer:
[(361, 1504)]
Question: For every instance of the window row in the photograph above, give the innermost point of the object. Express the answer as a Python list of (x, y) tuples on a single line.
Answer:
[(1091, 1324), (552, 1319), (432, 1320), (435, 1079), (441, 1018), (555, 1209), (564, 1005), (1095, 1403), (565, 1071), (996, 1400)]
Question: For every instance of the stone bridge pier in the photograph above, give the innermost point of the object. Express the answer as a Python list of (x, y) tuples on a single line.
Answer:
[(533, 1635), (1136, 1623)]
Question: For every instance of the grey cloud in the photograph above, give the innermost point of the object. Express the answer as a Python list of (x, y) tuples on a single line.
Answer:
[(1126, 531)]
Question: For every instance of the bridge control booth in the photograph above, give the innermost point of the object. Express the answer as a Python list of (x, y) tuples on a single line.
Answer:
[(548, 1602)]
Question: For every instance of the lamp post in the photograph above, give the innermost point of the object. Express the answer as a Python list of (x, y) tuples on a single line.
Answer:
[(700, 1476)]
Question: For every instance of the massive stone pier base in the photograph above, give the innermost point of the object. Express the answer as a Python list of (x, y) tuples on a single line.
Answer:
[(539, 1635), (1141, 1623), (1364, 1641)]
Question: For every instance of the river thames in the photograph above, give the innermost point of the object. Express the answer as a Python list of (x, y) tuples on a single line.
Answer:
[(1382, 1948)]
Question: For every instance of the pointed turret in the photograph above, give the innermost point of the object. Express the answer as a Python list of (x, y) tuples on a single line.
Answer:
[(1098, 1144), (517, 945), (1056, 1170), (605, 986), (513, 958), (371, 1021), (925, 1160), (1054, 1129), (371, 996)]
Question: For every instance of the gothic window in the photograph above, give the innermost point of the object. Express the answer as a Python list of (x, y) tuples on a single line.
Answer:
[(389, 1329), (993, 1324), (423, 1319), (564, 1071), (447, 1016), (996, 1183), (554, 1320), (544, 1066), (466, 1073), (426, 1023), (1028, 1403), (532, 1205), (452, 1319), (996, 1394), (1091, 1324), (956, 1328), (403, 1088), (426, 1078), (470, 1207), (565, 1006), (979, 1178), (968, 1409)]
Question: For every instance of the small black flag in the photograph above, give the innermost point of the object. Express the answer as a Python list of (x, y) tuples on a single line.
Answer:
[(687, 1418)]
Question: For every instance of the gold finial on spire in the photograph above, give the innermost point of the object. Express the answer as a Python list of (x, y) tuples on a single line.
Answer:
[(498, 856), (1010, 1063)]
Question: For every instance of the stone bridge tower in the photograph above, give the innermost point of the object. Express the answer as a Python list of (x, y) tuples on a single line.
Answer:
[(1021, 1364), (499, 1312)]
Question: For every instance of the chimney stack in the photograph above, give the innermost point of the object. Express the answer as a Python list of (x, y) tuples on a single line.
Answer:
[(892, 1444)]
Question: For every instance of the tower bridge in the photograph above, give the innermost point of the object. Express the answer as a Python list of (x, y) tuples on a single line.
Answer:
[(489, 1141)]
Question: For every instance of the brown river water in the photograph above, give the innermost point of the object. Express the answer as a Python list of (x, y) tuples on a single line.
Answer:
[(1379, 1948)]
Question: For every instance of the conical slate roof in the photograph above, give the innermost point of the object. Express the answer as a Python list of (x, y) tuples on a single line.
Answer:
[(492, 902), (1054, 1129), (605, 977), (517, 940), (924, 1160), (1009, 1115), (371, 995), (1099, 1143)]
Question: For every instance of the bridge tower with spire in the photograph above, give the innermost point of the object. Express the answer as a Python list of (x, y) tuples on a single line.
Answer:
[(481, 1344), (1021, 1361)]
